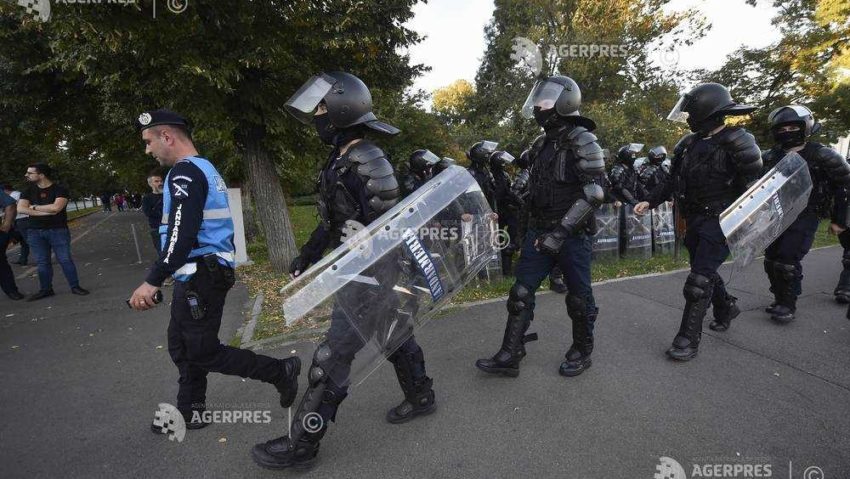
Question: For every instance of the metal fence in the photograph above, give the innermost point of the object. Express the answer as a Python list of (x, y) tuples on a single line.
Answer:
[(83, 203)]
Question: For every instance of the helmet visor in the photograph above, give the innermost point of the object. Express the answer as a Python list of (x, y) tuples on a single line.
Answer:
[(488, 146), (678, 113), (799, 110), (635, 148), (504, 157), (304, 102), (544, 95), (429, 159)]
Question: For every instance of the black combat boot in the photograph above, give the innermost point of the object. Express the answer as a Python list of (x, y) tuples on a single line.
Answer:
[(578, 356), (310, 422), (787, 286), (697, 293), (725, 311), (520, 313), (556, 281), (842, 291), (417, 387), (287, 385)]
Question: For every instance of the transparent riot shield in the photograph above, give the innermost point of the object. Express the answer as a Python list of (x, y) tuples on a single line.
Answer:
[(663, 229), (388, 279), (606, 241), (638, 235), (766, 209)]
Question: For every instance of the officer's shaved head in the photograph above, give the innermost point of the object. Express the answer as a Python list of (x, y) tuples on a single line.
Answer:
[(168, 144)]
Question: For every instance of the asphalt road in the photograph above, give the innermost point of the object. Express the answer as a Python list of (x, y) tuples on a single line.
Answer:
[(82, 376)]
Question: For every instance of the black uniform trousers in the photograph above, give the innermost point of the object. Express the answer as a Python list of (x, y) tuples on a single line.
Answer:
[(793, 245), (194, 345), (707, 250)]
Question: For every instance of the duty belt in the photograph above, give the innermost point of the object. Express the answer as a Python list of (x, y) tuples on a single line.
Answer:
[(702, 210), (543, 224)]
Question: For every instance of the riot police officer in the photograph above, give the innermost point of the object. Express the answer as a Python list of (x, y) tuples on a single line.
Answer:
[(520, 190), (419, 171), (198, 252), (479, 157), (567, 171), (652, 173), (791, 127), (507, 204), (625, 186), (711, 167), (356, 183)]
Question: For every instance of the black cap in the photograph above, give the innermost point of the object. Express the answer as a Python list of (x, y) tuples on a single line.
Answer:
[(152, 118)]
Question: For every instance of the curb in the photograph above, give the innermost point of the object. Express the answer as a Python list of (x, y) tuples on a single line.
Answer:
[(248, 330)]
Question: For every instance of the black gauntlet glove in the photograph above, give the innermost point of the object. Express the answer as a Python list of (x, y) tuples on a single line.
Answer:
[(300, 264)]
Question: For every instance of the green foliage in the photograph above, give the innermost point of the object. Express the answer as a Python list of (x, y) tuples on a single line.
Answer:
[(228, 66), (808, 65), (626, 93), (451, 103)]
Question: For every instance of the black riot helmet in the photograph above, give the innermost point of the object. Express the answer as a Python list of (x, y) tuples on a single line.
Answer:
[(628, 154), (480, 152), (657, 155), (556, 97), (523, 161), (422, 162), (794, 115), (443, 164), (346, 97), (704, 107), (500, 159)]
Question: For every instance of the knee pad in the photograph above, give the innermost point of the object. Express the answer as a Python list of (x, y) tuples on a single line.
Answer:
[(576, 306), (520, 299), (696, 287), (322, 358), (409, 352), (787, 272)]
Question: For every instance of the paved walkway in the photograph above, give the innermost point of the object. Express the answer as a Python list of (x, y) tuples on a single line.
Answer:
[(82, 378)]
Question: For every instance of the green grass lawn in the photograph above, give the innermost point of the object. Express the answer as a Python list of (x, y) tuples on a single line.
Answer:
[(76, 214), (261, 278)]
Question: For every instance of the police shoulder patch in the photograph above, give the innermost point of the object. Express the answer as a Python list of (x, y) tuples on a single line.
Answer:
[(220, 185), (181, 190)]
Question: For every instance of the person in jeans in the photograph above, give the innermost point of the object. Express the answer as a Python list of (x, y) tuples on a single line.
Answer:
[(19, 231), (45, 202), (7, 221)]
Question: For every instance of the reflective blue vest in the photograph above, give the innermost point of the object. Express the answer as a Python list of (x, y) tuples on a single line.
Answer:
[(216, 233)]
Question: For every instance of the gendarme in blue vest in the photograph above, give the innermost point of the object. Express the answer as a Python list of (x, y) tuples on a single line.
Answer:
[(216, 232)]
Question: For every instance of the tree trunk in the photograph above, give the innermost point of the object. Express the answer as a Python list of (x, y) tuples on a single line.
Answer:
[(269, 201)]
